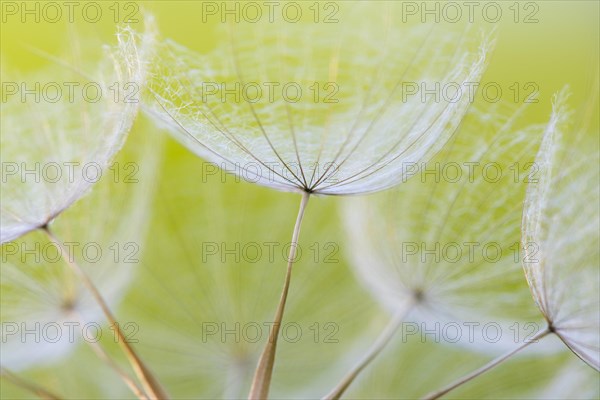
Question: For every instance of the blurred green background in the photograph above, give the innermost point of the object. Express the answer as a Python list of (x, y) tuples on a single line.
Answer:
[(176, 293)]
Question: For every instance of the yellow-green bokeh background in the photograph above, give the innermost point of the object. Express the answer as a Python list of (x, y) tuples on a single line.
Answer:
[(562, 48)]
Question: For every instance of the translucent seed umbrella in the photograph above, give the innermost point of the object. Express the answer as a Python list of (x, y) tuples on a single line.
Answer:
[(54, 149), (443, 248), (324, 109), (51, 143), (105, 232), (561, 229)]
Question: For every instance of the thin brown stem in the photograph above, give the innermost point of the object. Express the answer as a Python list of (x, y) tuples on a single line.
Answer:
[(149, 383), (485, 368), (139, 393), (30, 387), (382, 340), (262, 375)]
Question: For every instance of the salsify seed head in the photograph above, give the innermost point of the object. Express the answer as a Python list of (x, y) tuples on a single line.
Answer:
[(46, 309), (446, 243), (54, 148), (561, 228), (331, 109)]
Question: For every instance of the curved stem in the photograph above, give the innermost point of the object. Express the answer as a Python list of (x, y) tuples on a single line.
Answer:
[(485, 368), (30, 387), (382, 340), (150, 384), (264, 369), (139, 393)]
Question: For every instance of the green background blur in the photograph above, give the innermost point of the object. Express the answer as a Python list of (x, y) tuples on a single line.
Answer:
[(175, 291)]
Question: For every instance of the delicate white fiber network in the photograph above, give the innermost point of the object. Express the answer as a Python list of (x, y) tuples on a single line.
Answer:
[(561, 230), (446, 243), (60, 148), (332, 109), (104, 233), (54, 148)]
